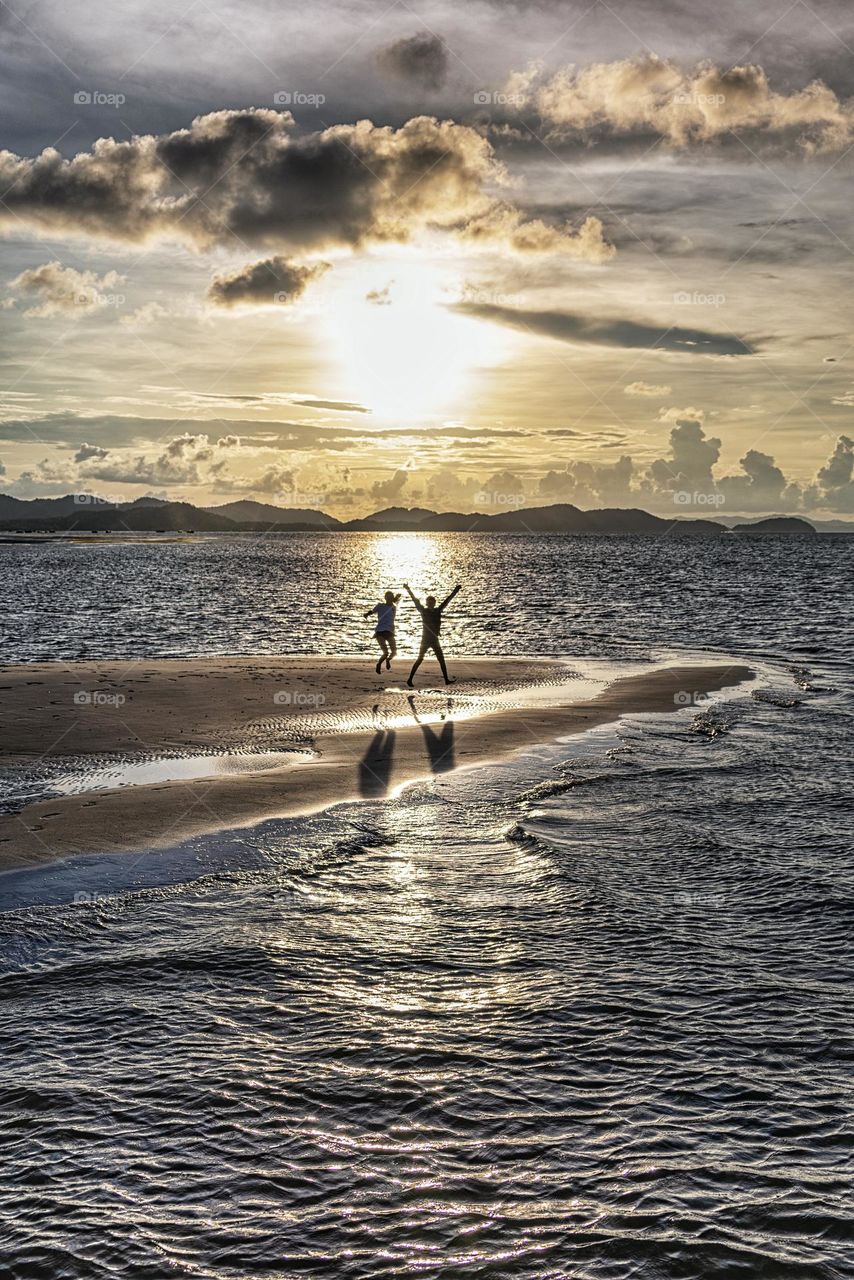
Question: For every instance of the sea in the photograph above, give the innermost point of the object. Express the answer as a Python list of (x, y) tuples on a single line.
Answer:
[(585, 1014)]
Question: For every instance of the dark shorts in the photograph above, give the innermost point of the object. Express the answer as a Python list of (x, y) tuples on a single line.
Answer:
[(384, 635)]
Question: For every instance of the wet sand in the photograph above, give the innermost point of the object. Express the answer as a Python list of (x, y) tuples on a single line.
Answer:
[(351, 734)]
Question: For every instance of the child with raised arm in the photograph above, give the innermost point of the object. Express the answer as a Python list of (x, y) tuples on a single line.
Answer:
[(384, 633), (431, 625)]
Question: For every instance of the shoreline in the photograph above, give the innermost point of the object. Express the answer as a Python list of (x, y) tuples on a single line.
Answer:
[(345, 733)]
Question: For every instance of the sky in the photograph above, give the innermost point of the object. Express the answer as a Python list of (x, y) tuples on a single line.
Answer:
[(465, 257)]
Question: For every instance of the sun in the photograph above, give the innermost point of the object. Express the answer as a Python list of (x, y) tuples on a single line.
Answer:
[(403, 353)]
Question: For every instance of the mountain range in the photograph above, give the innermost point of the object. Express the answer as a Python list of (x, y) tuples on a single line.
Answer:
[(85, 513)]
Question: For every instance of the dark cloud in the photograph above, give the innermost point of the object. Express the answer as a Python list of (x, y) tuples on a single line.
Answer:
[(565, 326), (421, 59), (339, 406), (248, 176), (273, 281)]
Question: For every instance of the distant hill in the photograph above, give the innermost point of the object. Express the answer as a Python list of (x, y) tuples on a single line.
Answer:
[(245, 511), (49, 508), (171, 517), (391, 519), (58, 515), (776, 525)]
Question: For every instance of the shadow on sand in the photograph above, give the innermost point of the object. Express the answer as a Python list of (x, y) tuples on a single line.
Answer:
[(376, 764)]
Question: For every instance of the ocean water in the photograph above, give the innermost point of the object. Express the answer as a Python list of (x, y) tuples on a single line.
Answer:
[(586, 1014)]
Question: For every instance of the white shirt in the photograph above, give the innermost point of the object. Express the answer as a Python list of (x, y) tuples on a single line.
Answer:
[(385, 616)]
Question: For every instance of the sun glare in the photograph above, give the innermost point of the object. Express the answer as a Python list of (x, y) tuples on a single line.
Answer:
[(404, 354)]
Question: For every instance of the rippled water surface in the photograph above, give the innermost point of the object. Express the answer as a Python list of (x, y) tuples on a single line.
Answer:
[(584, 1015)]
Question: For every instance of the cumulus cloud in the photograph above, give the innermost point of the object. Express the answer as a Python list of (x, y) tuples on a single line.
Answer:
[(269, 282), (504, 224), (652, 95), (589, 484), (60, 290), (762, 487), (390, 490), (836, 477), (692, 456), (421, 59), (248, 174), (565, 326), (184, 460), (674, 414), (646, 389), (89, 451)]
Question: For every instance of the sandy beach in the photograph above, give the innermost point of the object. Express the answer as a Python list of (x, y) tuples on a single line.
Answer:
[(342, 732)]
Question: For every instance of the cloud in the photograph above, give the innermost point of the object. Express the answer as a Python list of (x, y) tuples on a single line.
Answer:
[(248, 174), (590, 484), (89, 451), (679, 415), (148, 313), (65, 291), (646, 389), (391, 489), (179, 462), (763, 487), (506, 225), (835, 477), (652, 95), (566, 326), (421, 59), (275, 480), (267, 283), (380, 297), (692, 456)]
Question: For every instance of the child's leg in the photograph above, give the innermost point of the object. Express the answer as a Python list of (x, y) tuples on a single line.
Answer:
[(384, 652), (437, 649), (416, 664)]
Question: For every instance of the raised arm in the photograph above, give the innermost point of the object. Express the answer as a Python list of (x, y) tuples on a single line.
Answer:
[(449, 598), (412, 596)]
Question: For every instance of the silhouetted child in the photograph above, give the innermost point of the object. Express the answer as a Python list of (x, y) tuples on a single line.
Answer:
[(431, 624), (384, 634)]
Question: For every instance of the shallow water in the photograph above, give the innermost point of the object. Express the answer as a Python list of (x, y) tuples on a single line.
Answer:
[(585, 1015)]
